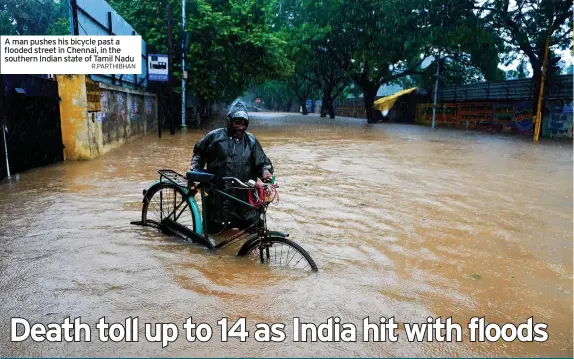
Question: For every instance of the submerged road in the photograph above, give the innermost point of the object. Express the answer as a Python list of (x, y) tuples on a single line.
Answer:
[(402, 221)]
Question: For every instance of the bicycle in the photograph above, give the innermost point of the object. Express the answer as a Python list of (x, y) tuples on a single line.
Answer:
[(169, 205)]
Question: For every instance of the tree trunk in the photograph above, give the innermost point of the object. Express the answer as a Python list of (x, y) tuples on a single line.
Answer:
[(303, 101), (324, 105), (327, 102), (369, 94), (331, 110)]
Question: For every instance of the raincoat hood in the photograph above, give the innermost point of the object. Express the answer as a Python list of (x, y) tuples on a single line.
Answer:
[(236, 114)]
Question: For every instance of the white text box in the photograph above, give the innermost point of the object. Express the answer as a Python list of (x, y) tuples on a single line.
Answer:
[(71, 55)]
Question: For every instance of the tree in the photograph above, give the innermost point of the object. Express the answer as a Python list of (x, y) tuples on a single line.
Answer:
[(332, 78), (376, 42), (302, 81), (524, 26), (302, 85), (230, 46), (40, 17), (291, 23), (302, 23), (6, 25), (465, 44), (275, 95)]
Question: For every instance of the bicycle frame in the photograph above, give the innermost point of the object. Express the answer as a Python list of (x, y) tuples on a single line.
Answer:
[(198, 232), (203, 188)]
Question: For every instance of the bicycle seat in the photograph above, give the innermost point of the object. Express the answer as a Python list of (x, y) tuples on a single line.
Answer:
[(199, 176)]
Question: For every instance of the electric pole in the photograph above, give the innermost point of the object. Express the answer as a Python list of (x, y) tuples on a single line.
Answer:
[(170, 78), (435, 92), (538, 117), (183, 72), (4, 124)]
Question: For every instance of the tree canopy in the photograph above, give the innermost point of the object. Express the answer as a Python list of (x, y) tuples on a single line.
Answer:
[(292, 50), (230, 46), (38, 17)]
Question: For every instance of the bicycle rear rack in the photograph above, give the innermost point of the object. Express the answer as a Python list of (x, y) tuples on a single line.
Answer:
[(174, 177)]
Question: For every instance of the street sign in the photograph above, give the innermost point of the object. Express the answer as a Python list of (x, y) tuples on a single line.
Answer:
[(157, 67)]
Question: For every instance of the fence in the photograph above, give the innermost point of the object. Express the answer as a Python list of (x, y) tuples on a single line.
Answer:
[(557, 87)]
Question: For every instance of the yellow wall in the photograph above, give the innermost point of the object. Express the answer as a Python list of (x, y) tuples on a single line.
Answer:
[(90, 128), (74, 117)]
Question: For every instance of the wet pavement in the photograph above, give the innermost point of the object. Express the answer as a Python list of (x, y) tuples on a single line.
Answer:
[(402, 221)]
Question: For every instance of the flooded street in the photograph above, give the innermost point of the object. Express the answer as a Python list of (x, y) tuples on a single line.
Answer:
[(402, 221)]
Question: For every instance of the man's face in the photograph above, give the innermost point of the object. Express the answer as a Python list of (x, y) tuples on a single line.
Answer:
[(238, 127)]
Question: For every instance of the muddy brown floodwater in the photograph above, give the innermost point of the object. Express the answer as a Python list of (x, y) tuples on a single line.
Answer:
[(402, 221)]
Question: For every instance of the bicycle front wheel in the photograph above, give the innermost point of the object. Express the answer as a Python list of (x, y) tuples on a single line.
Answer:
[(280, 252)]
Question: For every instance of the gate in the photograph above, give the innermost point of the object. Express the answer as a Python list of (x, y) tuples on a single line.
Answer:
[(31, 112)]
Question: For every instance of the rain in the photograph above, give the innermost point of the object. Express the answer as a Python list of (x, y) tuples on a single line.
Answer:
[(422, 157)]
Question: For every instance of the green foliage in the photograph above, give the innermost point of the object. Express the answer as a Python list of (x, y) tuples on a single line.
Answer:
[(6, 26), (232, 48), (524, 25), (230, 45), (374, 42), (274, 94), (38, 17), (520, 73), (60, 27), (149, 19)]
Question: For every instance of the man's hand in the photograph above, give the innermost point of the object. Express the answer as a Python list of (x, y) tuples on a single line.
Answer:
[(266, 176)]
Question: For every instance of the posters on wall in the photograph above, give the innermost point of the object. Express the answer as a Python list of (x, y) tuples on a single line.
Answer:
[(104, 104), (148, 107), (133, 108), (121, 99)]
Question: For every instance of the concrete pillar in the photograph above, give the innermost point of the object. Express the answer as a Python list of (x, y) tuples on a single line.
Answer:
[(74, 117)]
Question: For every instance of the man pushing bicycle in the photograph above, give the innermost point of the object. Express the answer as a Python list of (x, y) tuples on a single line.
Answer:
[(231, 152)]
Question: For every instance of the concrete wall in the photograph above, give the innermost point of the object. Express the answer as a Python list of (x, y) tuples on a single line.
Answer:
[(125, 114), (557, 119), (74, 116), (98, 117)]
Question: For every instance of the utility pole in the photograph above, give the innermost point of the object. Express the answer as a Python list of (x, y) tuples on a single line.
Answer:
[(74, 5), (435, 92), (538, 117), (3, 123), (4, 129), (183, 72), (170, 78)]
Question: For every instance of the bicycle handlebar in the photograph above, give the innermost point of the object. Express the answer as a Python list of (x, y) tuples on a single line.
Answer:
[(205, 178), (233, 179)]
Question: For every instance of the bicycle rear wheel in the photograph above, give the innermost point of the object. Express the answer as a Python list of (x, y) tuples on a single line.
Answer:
[(279, 252), (160, 202)]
